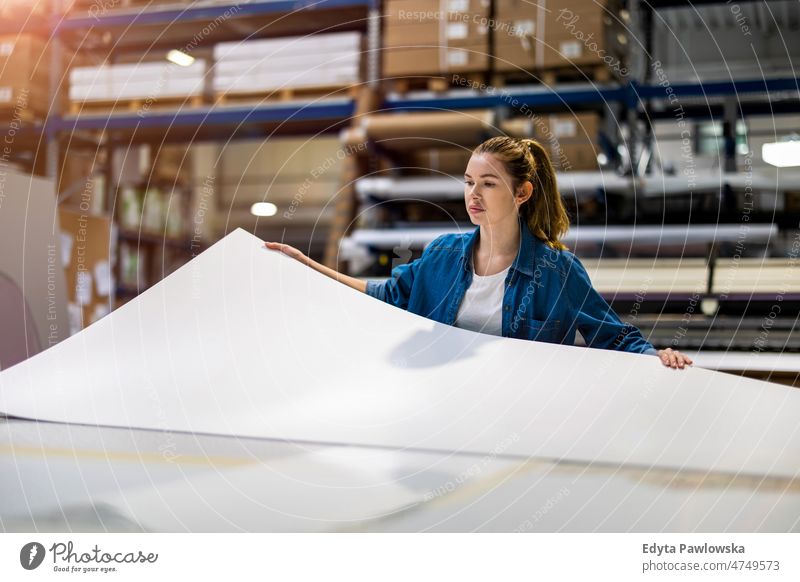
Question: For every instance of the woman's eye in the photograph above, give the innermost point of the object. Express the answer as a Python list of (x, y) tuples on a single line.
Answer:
[(467, 182), (490, 184)]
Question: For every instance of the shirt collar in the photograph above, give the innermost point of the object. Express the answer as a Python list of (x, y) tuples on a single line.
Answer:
[(525, 255)]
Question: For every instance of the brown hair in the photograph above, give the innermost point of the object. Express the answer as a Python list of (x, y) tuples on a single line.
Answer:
[(527, 160)]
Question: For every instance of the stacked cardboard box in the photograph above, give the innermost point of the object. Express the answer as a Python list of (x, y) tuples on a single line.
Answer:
[(514, 40), (429, 38), (571, 139), (550, 35), (88, 265), (437, 161), (24, 77), (14, 10)]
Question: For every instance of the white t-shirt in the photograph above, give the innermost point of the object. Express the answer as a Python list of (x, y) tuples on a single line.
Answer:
[(481, 308)]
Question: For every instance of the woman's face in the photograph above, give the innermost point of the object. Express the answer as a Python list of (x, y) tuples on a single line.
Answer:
[(488, 192)]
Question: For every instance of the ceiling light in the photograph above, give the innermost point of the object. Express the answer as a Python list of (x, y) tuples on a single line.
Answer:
[(180, 58), (263, 209), (782, 154)]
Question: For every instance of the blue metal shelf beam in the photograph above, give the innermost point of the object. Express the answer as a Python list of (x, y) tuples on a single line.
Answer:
[(202, 13), (717, 88), (631, 94), (507, 96), (233, 116)]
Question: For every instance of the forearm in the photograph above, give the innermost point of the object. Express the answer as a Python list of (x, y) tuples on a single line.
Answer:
[(353, 282)]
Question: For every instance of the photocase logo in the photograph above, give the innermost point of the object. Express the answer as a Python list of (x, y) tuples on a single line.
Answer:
[(31, 555), (403, 253)]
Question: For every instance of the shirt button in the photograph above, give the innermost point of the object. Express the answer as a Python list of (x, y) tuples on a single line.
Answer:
[(506, 307)]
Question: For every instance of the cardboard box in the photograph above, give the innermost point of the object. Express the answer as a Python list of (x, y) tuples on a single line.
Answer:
[(24, 74), (24, 9), (457, 33), (430, 38), (571, 139), (584, 33), (515, 34), (90, 269), (577, 33), (514, 56), (22, 58), (451, 161), (574, 157), (409, 11), (434, 61)]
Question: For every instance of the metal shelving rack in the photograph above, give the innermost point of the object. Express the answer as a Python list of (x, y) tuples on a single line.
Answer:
[(631, 93), (214, 123), (127, 32)]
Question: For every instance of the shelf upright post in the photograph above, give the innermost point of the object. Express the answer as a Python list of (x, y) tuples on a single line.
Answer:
[(357, 161), (730, 117), (639, 68), (373, 44), (54, 88)]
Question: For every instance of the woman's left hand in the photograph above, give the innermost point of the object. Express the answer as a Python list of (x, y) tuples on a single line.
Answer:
[(673, 358)]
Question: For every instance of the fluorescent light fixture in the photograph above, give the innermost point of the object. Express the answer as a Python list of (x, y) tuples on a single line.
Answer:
[(263, 209), (180, 58), (782, 154)]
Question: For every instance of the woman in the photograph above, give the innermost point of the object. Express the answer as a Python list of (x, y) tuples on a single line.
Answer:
[(511, 276)]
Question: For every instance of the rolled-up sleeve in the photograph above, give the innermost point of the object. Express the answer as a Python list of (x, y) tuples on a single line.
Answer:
[(396, 290), (597, 322)]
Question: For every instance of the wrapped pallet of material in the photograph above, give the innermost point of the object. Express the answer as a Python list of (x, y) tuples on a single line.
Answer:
[(24, 75), (322, 60), (429, 38), (137, 81), (548, 35)]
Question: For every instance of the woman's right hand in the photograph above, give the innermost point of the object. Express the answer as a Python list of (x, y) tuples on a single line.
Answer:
[(356, 284), (287, 250)]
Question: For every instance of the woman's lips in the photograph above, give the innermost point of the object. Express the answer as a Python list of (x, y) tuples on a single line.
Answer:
[(475, 209)]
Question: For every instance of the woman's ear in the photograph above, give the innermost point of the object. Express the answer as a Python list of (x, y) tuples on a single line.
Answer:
[(524, 192)]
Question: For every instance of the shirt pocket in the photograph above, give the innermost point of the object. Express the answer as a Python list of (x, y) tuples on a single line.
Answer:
[(542, 330)]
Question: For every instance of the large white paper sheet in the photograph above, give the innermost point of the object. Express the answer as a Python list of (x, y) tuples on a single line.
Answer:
[(60, 477), (246, 341)]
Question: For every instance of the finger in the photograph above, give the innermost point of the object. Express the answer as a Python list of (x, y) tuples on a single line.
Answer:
[(673, 360)]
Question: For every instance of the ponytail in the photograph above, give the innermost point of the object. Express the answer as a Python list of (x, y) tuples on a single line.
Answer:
[(544, 212)]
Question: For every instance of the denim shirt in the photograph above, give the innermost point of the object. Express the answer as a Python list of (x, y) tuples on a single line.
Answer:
[(548, 295)]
